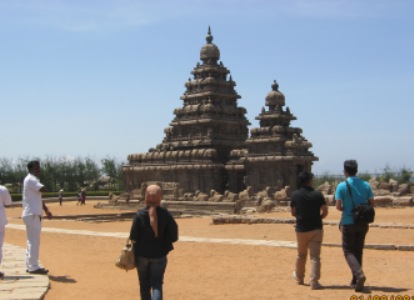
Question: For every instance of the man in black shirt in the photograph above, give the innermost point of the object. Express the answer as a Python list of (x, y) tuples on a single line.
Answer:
[(309, 208), (154, 231)]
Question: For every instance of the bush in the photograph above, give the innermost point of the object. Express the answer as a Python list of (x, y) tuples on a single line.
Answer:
[(16, 197)]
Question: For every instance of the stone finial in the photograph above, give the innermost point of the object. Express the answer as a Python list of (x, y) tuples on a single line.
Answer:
[(275, 99), (275, 86), (209, 37), (209, 53)]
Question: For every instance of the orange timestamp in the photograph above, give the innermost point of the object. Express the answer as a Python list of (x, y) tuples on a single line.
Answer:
[(381, 297)]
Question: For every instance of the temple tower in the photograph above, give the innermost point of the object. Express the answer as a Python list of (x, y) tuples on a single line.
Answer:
[(204, 131)]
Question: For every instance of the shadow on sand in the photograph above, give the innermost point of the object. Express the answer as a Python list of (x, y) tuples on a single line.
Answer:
[(368, 289), (63, 279)]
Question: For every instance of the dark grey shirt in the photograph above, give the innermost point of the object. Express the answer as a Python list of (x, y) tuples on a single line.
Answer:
[(307, 203)]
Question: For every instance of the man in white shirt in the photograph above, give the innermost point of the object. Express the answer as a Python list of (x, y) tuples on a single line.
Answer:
[(5, 201), (32, 216)]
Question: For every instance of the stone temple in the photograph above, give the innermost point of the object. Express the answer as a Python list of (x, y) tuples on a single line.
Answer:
[(207, 145)]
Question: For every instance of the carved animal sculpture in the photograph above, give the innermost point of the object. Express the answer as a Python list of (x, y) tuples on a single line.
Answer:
[(283, 194), (230, 197), (246, 194), (215, 196), (266, 193), (188, 196), (200, 196), (325, 188)]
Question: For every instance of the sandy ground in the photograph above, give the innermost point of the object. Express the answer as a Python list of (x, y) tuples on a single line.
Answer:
[(82, 267)]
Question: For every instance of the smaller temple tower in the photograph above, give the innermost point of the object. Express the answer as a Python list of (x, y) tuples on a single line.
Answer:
[(275, 152)]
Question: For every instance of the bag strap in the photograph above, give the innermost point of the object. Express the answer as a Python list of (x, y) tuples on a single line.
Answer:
[(350, 192)]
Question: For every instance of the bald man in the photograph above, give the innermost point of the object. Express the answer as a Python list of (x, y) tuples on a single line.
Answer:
[(154, 231)]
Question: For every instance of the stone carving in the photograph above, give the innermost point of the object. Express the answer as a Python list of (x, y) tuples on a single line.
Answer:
[(374, 183), (247, 194), (266, 193), (384, 200), (230, 197), (386, 193), (200, 196), (394, 185), (385, 186), (326, 188), (403, 189), (283, 194), (188, 197), (266, 205), (113, 199), (215, 196), (403, 201)]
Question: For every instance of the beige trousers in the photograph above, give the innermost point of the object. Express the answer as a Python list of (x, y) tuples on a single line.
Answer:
[(311, 240)]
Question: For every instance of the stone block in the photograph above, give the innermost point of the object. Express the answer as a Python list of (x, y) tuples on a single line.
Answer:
[(403, 201)]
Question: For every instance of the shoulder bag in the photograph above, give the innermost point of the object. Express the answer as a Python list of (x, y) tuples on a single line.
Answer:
[(363, 213)]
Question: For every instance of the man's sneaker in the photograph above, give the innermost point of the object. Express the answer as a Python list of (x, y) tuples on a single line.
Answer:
[(359, 286), (315, 285), (1, 274), (298, 281)]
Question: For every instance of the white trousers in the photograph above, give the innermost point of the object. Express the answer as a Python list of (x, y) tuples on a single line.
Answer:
[(33, 229), (2, 233)]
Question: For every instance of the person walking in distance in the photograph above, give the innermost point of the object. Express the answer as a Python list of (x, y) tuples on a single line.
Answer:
[(83, 196), (32, 216), (309, 208), (5, 201), (60, 197), (353, 189), (153, 233)]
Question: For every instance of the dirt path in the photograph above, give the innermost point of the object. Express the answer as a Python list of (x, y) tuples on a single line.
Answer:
[(83, 266)]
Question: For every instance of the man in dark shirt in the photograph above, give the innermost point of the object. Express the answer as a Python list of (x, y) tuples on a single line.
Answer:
[(154, 231), (309, 208)]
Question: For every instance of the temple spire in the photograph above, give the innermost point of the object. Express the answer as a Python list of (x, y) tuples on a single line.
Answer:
[(209, 37)]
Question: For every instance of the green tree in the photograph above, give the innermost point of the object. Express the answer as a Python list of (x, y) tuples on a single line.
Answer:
[(113, 169), (6, 171), (387, 174), (404, 175), (91, 173)]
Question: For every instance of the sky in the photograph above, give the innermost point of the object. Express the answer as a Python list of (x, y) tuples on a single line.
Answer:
[(101, 78)]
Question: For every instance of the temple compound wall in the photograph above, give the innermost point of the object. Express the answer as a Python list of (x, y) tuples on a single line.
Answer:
[(207, 149)]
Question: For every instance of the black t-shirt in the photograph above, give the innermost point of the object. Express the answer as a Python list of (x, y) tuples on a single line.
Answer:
[(307, 203), (147, 245)]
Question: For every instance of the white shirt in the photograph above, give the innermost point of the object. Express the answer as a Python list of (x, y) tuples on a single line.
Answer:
[(5, 200), (32, 197)]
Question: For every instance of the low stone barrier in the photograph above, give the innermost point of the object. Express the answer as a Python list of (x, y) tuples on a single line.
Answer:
[(183, 207), (239, 219)]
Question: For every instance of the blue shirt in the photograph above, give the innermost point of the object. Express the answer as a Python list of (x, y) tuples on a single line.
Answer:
[(361, 193)]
